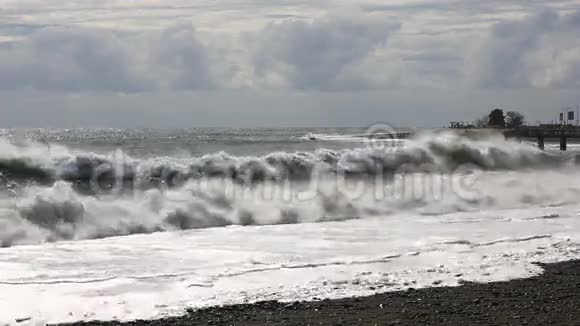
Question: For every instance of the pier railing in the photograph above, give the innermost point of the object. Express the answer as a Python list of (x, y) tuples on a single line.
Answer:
[(542, 133)]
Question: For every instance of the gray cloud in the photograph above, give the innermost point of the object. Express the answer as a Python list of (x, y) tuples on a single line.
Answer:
[(540, 51), (180, 60), (77, 59), (473, 9), (317, 55)]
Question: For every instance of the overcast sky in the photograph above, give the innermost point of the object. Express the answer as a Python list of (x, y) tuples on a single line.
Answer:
[(249, 63)]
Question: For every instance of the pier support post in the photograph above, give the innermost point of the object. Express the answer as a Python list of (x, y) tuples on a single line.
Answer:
[(541, 141), (563, 143)]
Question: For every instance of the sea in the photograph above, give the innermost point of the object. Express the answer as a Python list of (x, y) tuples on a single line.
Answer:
[(125, 224)]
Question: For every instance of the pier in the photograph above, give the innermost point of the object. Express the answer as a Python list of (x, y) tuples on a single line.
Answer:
[(541, 134)]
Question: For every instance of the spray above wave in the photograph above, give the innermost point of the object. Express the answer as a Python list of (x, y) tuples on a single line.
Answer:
[(438, 151)]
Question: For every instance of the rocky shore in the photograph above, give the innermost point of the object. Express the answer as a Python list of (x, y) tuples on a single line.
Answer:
[(552, 298)]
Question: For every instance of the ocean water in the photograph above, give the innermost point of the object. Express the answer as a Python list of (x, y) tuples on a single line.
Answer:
[(127, 224)]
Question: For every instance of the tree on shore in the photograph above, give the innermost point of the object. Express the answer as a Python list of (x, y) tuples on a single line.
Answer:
[(496, 118), (515, 119), (481, 122)]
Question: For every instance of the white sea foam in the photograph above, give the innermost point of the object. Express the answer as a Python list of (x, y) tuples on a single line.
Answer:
[(147, 276)]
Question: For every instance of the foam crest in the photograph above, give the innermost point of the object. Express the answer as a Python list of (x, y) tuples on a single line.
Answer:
[(443, 151)]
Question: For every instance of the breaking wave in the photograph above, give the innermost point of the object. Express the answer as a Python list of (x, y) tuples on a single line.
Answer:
[(42, 164), (44, 195), (46, 214), (58, 212)]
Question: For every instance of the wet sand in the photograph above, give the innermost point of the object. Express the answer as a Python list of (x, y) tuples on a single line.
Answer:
[(552, 298)]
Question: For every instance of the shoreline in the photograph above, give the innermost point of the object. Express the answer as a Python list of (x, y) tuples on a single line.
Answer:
[(550, 298)]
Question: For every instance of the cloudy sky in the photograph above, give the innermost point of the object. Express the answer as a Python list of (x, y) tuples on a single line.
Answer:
[(250, 63)]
